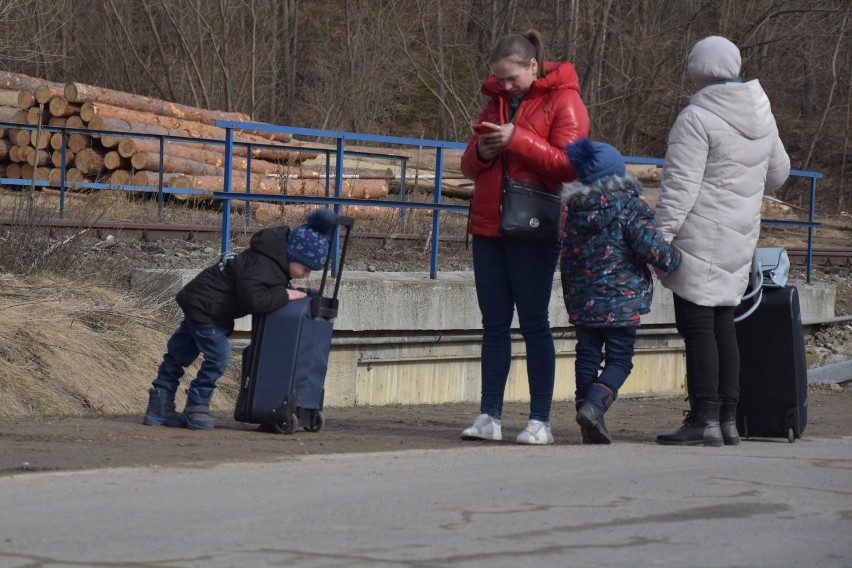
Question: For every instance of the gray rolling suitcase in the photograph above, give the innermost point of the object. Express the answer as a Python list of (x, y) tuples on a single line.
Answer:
[(283, 369)]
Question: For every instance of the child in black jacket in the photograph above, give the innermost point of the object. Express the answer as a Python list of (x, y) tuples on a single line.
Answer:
[(255, 281)]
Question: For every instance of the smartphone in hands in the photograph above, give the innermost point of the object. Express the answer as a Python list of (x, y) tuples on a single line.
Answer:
[(483, 128)]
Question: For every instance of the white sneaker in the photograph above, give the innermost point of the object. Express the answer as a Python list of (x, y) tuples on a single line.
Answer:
[(483, 428), (536, 432)]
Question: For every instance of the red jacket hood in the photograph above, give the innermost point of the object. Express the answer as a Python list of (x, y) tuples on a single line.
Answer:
[(558, 75)]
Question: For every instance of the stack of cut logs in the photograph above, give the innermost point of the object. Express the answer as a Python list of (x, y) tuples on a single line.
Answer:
[(135, 161)]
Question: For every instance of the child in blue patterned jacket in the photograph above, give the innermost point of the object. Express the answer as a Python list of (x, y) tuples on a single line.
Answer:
[(609, 240)]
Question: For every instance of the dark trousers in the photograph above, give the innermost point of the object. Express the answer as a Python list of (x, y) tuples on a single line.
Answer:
[(190, 340), (513, 273), (611, 345), (712, 354)]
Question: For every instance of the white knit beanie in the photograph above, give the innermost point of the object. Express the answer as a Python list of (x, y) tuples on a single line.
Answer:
[(712, 59)]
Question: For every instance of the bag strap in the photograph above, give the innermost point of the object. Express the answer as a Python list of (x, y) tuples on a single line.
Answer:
[(755, 287)]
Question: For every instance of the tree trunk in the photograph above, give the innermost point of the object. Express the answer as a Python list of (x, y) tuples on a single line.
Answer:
[(10, 114), (59, 106), (25, 99), (75, 122), (80, 93), (5, 146), (121, 125), (22, 137), (172, 164), (77, 142), (56, 141), (217, 183), (45, 92), (13, 171), (36, 157), (40, 140), (128, 147), (14, 153), (56, 158), (18, 81), (89, 161), (152, 179), (113, 161), (120, 177), (8, 98), (110, 141), (36, 115)]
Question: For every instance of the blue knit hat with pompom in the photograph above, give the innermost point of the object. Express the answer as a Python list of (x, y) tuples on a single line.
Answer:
[(595, 160), (308, 243)]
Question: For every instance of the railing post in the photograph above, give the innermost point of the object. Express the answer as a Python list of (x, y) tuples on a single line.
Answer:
[(62, 176), (160, 181), (436, 214), (338, 184), (402, 174), (248, 183), (226, 206), (811, 217)]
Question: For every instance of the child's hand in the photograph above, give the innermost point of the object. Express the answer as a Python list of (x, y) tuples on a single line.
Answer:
[(661, 274), (294, 294)]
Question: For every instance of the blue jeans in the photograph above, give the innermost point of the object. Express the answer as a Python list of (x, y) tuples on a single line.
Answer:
[(508, 273), (712, 353), (612, 345), (188, 341)]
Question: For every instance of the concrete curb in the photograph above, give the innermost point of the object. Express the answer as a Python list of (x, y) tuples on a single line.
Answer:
[(831, 374)]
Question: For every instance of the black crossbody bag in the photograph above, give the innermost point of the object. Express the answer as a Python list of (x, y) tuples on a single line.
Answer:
[(529, 211)]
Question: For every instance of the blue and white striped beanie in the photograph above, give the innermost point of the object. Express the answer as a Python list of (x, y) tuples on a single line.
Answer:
[(308, 243)]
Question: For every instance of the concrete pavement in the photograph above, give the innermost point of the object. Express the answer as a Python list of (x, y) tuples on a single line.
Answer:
[(762, 503)]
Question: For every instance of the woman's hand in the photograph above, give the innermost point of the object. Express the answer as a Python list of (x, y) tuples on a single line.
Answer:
[(493, 139)]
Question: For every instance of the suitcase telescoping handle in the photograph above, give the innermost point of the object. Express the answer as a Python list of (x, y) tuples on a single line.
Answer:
[(342, 221)]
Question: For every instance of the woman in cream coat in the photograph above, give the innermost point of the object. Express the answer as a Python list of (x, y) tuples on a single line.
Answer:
[(723, 154)]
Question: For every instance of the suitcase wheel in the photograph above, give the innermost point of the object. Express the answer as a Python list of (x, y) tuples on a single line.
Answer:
[(312, 420), (281, 427), (791, 435), (286, 427)]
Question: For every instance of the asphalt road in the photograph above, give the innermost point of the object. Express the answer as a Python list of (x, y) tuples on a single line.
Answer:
[(762, 503)]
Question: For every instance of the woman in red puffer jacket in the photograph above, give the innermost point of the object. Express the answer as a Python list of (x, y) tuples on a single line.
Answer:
[(534, 111)]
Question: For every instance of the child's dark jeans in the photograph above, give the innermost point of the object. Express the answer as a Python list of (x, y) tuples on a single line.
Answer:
[(611, 345), (188, 341)]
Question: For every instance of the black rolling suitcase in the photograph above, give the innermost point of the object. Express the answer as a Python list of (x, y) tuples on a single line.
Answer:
[(773, 370), (284, 366)]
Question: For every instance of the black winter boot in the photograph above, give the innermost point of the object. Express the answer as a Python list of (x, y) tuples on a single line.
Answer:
[(700, 427), (583, 430), (728, 422), (161, 409), (590, 416), (196, 415)]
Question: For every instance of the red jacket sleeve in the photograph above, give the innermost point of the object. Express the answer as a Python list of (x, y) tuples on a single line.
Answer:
[(471, 165), (547, 155)]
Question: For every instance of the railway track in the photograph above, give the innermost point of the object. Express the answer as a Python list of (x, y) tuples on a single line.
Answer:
[(827, 252)]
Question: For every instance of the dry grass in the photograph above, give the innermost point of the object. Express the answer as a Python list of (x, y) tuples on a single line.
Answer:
[(73, 349)]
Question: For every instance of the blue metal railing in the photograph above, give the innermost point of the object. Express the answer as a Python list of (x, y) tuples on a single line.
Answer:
[(341, 137), (336, 201)]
